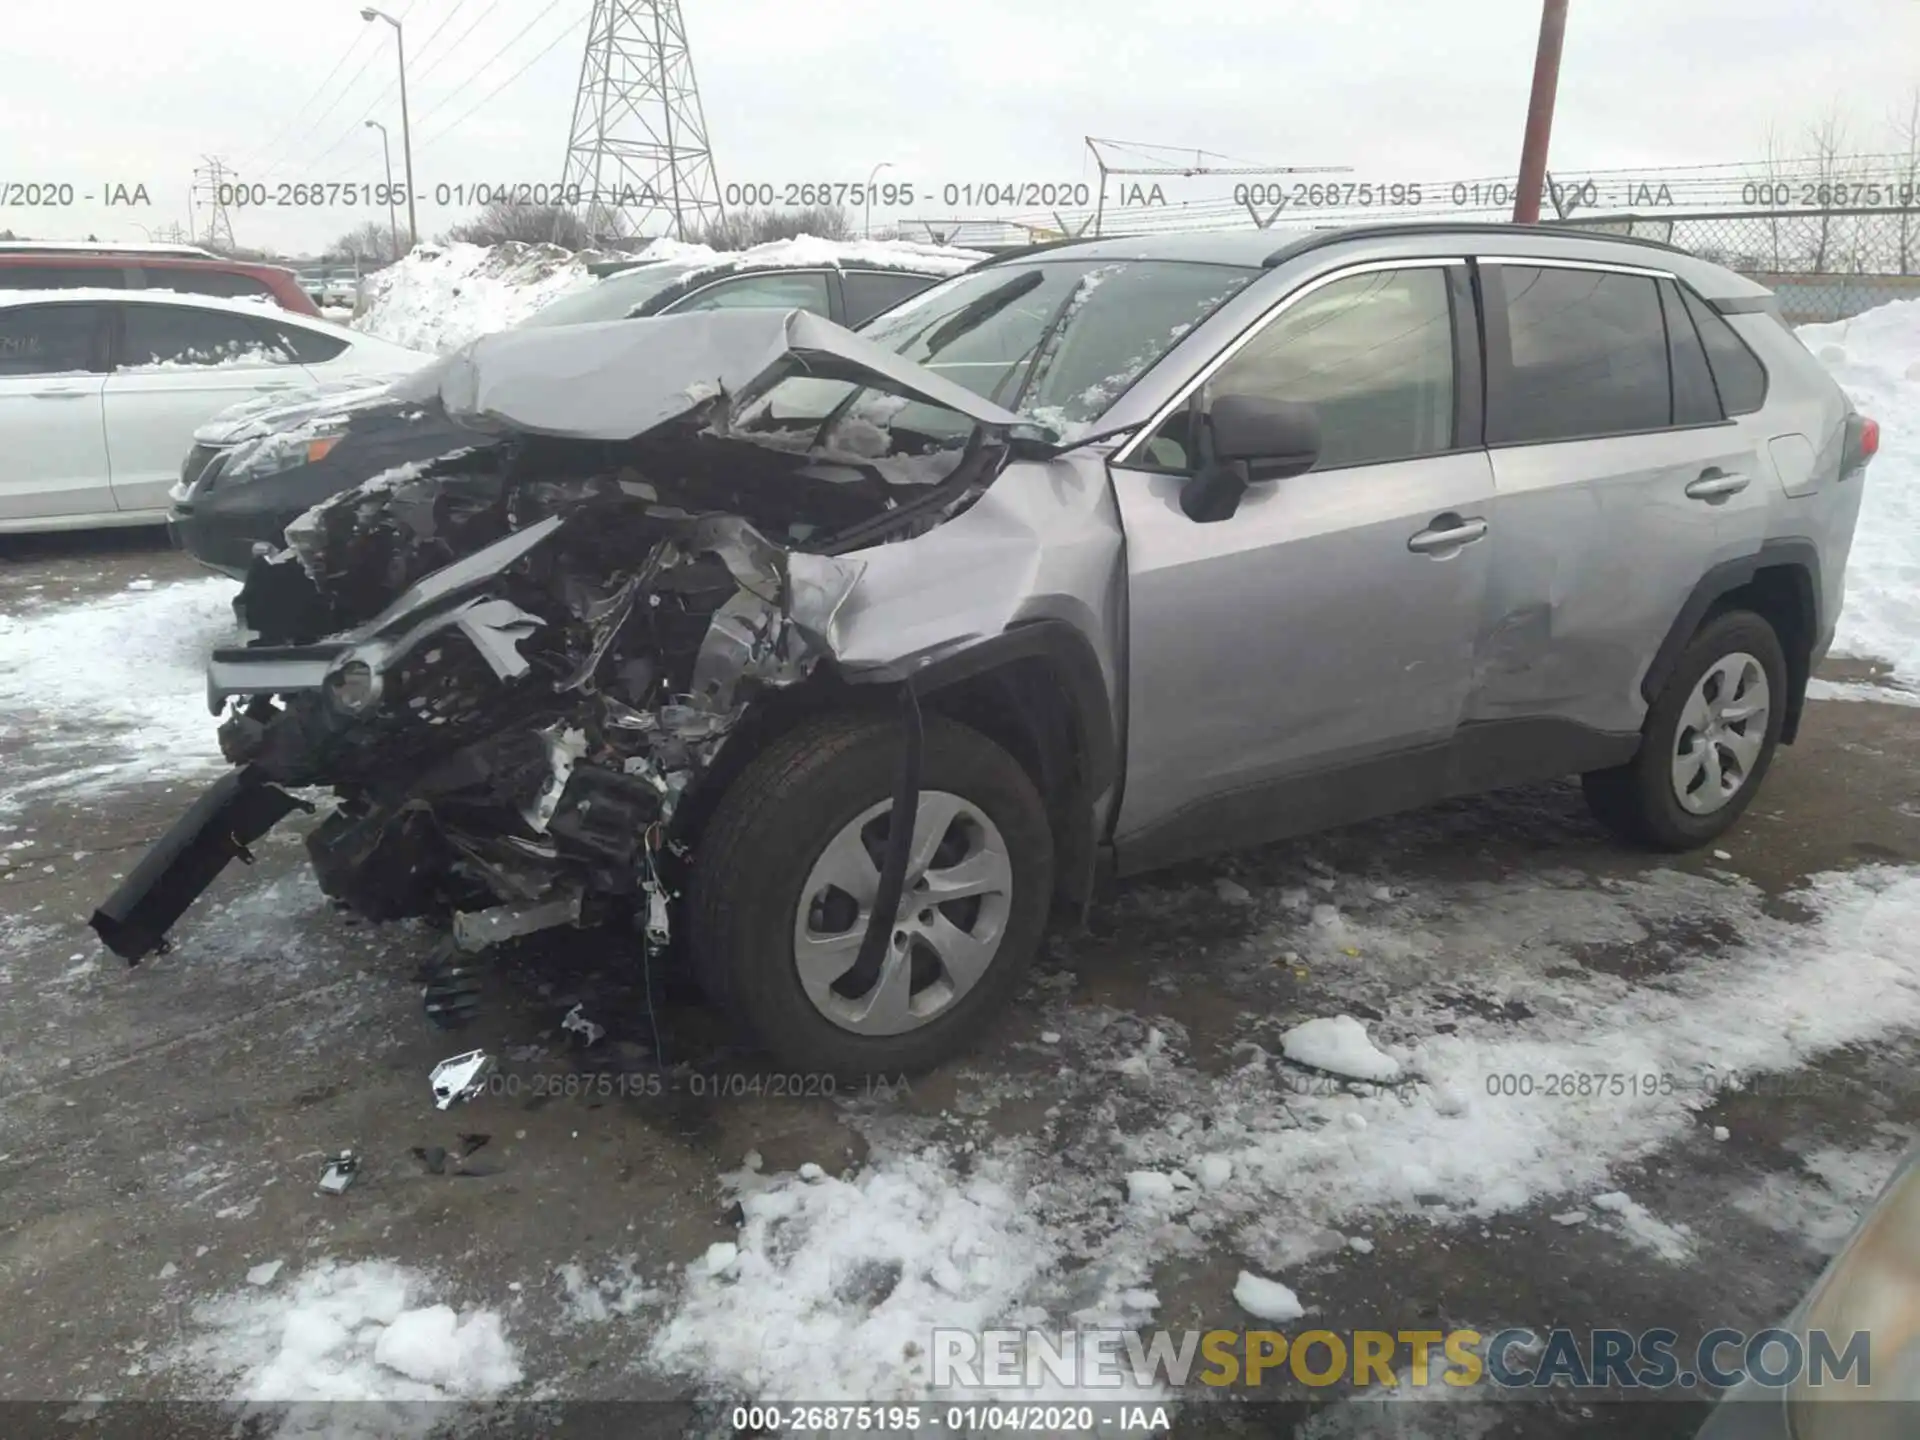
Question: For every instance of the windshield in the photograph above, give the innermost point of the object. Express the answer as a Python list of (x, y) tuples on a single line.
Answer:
[(611, 298), (1056, 340)]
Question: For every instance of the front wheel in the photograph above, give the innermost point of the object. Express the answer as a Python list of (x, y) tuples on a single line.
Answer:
[(787, 872), (1707, 741)]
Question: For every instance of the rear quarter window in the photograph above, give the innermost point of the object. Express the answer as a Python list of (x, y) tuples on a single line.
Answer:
[(1737, 371)]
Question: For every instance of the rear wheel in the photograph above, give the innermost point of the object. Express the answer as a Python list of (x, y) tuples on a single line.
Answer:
[(1707, 741), (789, 868)]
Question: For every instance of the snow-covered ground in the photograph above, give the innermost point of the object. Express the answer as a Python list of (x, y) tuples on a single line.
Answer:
[(441, 296), (110, 692)]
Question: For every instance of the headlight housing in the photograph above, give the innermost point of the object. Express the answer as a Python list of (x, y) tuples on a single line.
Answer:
[(284, 449), (1873, 1287)]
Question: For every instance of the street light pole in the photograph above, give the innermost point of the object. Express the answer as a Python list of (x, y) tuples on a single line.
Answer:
[(386, 151), (1546, 81), (866, 225), (406, 128)]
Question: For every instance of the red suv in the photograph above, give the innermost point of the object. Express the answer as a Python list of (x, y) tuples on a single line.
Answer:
[(36, 268)]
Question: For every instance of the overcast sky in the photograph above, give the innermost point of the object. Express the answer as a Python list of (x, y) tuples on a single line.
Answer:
[(94, 92)]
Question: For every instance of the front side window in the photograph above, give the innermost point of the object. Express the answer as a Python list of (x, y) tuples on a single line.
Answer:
[(47, 339), (173, 337), (1588, 355), (1371, 353), (772, 291)]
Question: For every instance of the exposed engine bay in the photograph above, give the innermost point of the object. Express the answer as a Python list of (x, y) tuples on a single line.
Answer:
[(512, 665)]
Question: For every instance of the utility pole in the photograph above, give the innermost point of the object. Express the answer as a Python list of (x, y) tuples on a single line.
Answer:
[(1546, 83), (210, 180), (406, 127), (393, 225)]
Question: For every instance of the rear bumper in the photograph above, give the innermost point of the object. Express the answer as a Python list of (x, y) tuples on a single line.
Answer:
[(237, 810)]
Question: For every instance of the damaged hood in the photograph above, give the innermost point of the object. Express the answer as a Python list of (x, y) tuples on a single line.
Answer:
[(619, 379)]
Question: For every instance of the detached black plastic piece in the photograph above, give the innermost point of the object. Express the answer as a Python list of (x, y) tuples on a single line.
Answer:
[(238, 809)]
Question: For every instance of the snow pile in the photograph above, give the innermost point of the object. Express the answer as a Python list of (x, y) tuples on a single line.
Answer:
[(1876, 358), (441, 296), (121, 682), (1338, 1044), (1266, 1299), (838, 1285), (358, 1332)]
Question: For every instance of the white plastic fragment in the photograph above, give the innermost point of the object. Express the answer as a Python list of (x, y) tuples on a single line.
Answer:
[(460, 1077)]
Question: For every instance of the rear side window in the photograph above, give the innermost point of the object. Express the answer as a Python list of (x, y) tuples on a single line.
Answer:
[(47, 339), (1695, 402), (1737, 371), (1587, 352), (308, 347), (203, 282), (868, 292), (170, 337), (62, 277)]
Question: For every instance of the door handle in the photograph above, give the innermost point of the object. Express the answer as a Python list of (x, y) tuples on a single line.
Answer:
[(274, 385), (1715, 484), (1446, 532), (61, 394)]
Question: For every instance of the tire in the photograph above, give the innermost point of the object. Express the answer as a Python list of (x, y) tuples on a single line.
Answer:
[(1641, 801), (769, 837)]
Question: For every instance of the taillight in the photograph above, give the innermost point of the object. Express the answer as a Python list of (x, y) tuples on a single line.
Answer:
[(1862, 443)]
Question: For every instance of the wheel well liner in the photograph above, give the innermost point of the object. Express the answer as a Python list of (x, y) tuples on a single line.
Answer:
[(1781, 582)]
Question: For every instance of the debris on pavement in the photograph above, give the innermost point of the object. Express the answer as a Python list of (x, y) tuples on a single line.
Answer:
[(337, 1174), (460, 1077), (580, 1025), (263, 1274), (1232, 891)]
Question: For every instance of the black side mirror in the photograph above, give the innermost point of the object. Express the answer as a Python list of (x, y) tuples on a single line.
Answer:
[(1247, 439)]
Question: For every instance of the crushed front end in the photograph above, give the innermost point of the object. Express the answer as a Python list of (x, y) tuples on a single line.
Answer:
[(513, 665)]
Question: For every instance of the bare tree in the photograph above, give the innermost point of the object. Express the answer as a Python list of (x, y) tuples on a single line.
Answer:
[(1828, 144), (740, 228), (371, 241), (530, 224)]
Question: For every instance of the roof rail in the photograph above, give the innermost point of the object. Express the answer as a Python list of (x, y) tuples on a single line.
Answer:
[(1333, 234)]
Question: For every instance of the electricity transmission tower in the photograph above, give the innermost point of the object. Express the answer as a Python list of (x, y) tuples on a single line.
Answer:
[(638, 147), (210, 180)]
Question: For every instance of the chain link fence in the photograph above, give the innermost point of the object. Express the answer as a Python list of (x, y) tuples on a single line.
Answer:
[(1822, 264)]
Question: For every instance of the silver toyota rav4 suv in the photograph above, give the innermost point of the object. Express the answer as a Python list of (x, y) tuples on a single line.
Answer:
[(1092, 559)]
